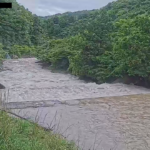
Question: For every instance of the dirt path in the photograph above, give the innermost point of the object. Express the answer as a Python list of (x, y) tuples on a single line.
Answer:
[(69, 106)]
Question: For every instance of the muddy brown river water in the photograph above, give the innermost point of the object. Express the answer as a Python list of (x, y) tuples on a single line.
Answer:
[(95, 117)]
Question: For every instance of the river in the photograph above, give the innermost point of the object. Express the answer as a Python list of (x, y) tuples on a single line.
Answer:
[(95, 117)]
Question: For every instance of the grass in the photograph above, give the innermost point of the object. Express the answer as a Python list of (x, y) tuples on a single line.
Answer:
[(16, 134)]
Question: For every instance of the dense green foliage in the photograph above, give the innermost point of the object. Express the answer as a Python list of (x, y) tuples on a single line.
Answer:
[(15, 25), (131, 48), (22, 51), (2, 53), (101, 44)]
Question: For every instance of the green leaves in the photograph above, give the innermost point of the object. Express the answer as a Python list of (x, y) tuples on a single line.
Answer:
[(131, 46), (22, 51), (2, 53)]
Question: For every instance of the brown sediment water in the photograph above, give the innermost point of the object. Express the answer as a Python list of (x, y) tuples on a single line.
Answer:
[(118, 120), (27, 81)]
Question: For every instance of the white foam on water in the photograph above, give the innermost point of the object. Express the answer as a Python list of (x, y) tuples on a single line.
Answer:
[(29, 82)]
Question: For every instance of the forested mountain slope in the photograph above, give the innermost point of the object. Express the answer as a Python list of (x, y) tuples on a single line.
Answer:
[(77, 15), (19, 27), (101, 44)]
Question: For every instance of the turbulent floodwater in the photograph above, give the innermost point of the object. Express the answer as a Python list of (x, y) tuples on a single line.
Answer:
[(71, 108), (27, 81), (114, 123)]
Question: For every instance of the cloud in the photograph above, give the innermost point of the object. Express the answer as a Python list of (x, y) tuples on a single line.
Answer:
[(50, 7)]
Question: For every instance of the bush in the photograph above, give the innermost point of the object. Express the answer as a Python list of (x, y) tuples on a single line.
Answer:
[(2, 53), (22, 51), (106, 54), (131, 50)]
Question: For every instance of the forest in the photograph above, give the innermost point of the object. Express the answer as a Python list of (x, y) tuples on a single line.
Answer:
[(102, 45)]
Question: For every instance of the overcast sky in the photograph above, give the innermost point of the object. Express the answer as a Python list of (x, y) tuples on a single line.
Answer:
[(50, 7)]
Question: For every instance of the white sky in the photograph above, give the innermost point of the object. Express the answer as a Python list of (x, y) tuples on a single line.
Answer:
[(50, 7)]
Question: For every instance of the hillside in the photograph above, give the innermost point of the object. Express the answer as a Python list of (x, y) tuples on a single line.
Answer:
[(101, 44), (78, 14), (122, 9)]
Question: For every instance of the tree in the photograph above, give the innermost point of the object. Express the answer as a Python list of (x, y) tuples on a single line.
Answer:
[(131, 48)]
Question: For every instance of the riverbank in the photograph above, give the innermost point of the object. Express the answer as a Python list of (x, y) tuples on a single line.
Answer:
[(23, 135)]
